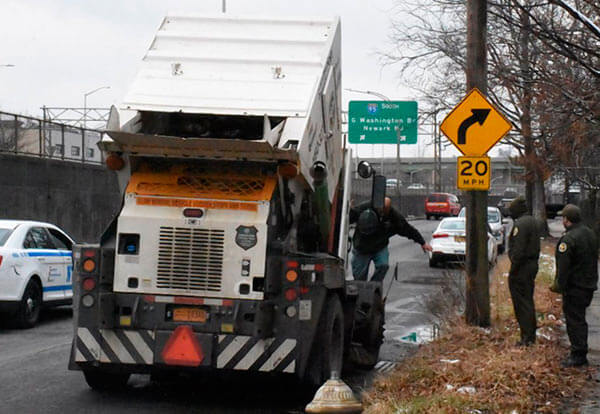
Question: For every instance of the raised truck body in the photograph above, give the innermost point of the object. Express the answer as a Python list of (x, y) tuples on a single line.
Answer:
[(230, 249)]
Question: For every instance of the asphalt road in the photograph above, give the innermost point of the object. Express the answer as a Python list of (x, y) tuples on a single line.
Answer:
[(34, 376)]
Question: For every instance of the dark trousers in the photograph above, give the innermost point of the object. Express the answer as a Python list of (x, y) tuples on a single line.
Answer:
[(575, 302), (521, 282)]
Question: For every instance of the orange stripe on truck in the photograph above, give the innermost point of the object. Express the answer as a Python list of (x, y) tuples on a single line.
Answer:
[(178, 202)]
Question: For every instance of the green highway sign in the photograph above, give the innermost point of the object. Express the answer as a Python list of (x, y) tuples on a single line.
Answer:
[(382, 122)]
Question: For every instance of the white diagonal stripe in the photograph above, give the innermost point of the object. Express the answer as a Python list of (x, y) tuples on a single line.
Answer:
[(291, 368), (232, 349), (79, 356), (255, 352), (89, 341), (284, 349), (221, 337), (140, 346), (117, 347)]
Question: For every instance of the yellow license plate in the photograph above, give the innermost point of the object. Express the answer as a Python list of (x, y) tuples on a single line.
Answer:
[(459, 239), (189, 315)]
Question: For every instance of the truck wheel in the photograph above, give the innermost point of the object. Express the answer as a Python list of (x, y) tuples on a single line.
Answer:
[(328, 346), (28, 313), (374, 338), (105, 381)]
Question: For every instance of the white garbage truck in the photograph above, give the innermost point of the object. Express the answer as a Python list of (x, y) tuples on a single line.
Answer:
[(230, 249)]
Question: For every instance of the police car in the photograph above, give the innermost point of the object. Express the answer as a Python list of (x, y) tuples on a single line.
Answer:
[(35, 269)]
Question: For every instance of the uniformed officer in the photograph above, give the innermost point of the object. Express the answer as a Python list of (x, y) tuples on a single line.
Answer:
[(577, 279), (524, 252), (372, 235)]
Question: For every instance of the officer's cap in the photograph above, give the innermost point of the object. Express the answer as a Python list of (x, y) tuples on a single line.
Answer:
[(518, 207), (571, 212)]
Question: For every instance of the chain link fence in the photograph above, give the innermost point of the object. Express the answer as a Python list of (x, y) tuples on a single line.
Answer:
[(24, 135)]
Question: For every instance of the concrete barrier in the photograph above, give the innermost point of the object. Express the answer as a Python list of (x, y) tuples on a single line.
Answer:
[(80, 198)]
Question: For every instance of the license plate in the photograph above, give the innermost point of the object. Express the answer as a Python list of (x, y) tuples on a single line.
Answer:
[(459, 239), (189, 315)]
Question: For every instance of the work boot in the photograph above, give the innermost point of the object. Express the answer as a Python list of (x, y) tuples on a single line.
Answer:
[(574, 361), (523, 343)]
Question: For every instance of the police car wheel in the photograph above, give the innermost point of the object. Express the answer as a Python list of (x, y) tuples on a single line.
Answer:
[(28, 313), (105, 381)]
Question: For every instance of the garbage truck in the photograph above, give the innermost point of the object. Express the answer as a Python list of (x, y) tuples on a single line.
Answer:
[(229, 251)]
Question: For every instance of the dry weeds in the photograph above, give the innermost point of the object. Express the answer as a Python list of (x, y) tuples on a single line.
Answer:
[(475, 370)]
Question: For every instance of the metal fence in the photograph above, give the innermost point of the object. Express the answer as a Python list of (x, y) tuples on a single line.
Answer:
[(24, 135)]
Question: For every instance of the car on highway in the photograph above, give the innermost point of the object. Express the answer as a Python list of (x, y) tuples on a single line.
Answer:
[(441, 204), (392, 186), (448, 243), (35, 269), (416, 186), (498, 226)]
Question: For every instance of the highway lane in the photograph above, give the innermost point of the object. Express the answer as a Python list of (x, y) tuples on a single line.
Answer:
[(34, 376)]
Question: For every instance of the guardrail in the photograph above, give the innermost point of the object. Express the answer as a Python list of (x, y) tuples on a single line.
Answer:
[(25, 135)]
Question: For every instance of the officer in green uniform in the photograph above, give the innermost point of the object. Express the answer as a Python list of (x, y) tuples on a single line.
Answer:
[(577, 279), (524, 252)]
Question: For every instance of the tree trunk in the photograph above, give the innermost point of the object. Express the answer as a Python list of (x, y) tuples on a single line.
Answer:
[(539, 203)]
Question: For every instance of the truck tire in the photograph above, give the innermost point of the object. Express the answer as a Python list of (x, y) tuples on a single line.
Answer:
[(28, 313), (327, 352), (374, 338), (105, 381)]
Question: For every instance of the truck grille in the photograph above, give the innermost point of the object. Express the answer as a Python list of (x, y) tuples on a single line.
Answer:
[(190, 259)]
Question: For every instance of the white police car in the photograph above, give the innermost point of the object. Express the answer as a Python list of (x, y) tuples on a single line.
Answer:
[(35, 269)]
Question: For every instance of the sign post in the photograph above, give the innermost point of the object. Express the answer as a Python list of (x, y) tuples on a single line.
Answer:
[(474, 126)]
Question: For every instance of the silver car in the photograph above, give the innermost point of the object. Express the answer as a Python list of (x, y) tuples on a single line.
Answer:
[(497, 226)]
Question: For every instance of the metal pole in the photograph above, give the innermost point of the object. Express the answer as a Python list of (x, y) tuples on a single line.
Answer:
[(477, 311), (84, 110), (223, 6)]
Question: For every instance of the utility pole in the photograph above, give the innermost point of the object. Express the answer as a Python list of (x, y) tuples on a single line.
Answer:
[(477, 310)]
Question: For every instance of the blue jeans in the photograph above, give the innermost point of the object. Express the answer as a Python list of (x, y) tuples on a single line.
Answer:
[(361, 261)]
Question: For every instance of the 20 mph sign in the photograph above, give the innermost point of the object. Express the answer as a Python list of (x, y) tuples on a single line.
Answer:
[(473, 173)]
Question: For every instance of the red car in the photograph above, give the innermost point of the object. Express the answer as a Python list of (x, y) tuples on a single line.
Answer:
[(441, 204)]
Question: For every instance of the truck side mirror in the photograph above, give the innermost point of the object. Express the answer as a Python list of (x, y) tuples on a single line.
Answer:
[(378, 192), (364, 169)]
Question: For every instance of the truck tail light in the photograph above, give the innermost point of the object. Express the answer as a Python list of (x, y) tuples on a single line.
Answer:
[(293, 264), (88, 284), (291, 294), (291, 276), (440, 235), (193, 212), (114, 162), (0, 260), (89, 265)]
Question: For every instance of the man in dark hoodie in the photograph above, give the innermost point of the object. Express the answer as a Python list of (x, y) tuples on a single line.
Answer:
[(524, 252), (371, 238), (577, 279)]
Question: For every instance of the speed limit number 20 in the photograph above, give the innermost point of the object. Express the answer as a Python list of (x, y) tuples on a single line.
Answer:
[(473, 173)]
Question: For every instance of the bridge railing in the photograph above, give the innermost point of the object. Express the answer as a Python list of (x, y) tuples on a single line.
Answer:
[(25, 135)]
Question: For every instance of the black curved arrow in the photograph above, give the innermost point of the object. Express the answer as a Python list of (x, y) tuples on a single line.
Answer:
[(479, 115)]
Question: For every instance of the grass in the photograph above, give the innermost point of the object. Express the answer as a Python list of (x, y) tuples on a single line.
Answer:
[(470, 369)]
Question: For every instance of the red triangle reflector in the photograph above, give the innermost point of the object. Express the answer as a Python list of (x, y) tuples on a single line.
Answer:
[(183, 348)]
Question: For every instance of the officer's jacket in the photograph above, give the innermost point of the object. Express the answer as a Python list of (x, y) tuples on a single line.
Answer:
[(393, 223), (524, 241), (577, 259)]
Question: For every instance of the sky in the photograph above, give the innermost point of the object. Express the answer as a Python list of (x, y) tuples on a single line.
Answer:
[(62, 49)]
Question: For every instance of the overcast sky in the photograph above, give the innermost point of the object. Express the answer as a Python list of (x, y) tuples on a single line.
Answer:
[(64, 48)]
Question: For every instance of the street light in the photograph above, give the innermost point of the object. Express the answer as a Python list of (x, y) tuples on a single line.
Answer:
[(85, 95)]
